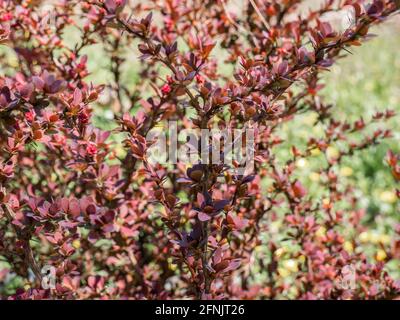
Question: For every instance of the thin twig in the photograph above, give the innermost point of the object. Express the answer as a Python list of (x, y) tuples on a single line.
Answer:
[(265, 23)]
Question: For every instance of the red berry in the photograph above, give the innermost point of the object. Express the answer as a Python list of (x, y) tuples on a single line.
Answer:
[(29, 116), (199, 79), (166, 89), (91, 149), (84, 117)]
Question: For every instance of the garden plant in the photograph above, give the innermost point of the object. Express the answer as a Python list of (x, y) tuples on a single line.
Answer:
[(86, 212)]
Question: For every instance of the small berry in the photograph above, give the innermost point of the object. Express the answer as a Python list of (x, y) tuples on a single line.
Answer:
[(166, 89), (91, 149)]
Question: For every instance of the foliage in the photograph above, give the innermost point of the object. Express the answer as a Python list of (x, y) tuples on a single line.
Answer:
[(115, 225)]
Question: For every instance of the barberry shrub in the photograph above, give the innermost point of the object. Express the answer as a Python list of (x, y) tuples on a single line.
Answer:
[(79, 196)]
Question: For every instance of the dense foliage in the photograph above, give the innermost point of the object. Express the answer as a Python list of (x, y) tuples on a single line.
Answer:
[(114, 225)]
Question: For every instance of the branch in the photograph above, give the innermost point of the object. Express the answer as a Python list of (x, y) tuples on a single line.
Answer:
[(24, 237)]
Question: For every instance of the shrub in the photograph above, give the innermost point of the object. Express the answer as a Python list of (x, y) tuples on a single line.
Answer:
[(89, 204)]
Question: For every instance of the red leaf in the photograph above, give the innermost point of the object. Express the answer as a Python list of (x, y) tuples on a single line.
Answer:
[(203, 216)]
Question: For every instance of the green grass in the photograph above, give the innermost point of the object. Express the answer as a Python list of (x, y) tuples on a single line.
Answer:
[(359, 85)]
